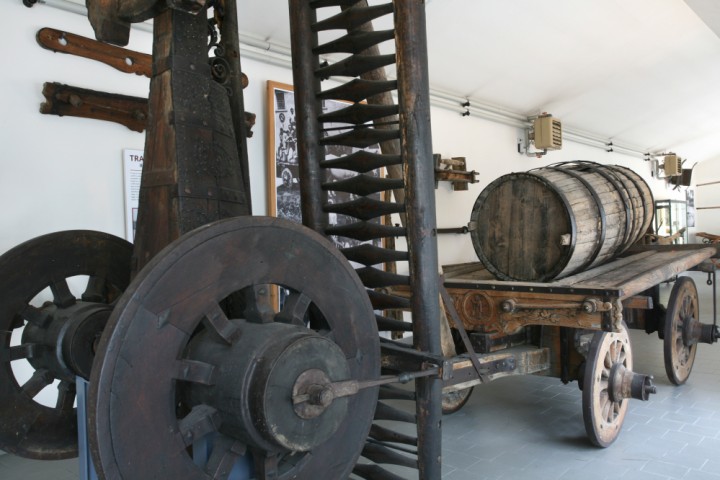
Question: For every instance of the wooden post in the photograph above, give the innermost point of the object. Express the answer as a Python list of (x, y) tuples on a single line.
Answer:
[(416, 135)]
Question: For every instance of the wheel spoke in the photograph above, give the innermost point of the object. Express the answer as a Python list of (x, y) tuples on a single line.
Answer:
[(40, 379), (66, 396), (194, 371), (19, 352), (35, 316), (95, 290), (607, 361), (62, 296), (216, 320), (622, 356), (202, 420), (224, 455), (294, 309)]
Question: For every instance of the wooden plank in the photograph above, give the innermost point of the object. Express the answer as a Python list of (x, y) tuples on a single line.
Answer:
[(664, 266), (637, 248), (601, 270)]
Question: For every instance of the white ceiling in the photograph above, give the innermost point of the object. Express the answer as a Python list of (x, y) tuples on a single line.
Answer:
[(643, 73), (639, 72)]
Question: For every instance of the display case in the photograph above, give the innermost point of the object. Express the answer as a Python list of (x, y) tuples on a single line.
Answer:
[(671, 217)]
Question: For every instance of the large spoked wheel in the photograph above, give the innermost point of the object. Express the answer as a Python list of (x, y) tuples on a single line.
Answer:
[(682, 311), (50, 331), (603, 405), (193, 349)]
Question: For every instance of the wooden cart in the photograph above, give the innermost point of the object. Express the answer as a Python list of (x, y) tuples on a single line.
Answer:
[(576, 328)]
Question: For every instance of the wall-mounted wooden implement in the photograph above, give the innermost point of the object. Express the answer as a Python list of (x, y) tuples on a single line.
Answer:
[(66, 100), (80, 102), (453, 170), (122, 59)]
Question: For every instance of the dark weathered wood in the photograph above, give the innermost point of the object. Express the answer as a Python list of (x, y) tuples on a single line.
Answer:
[(365, 208), (235, 81), (360, 137), (61, 100), (353, 17), (386, 412), (308, 107), (365, 231), (416, 141), (66, 100), (382, 454), (355, 42), (374, 472), (383, 301), (364, 185), (190, 174), (375, 278), (358, 89), (386, 435), (359, 113), (363, 161), (368, 254), (355, 65), (392, 325), (122, 59)]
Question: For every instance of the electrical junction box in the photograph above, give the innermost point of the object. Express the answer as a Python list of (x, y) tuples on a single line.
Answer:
[(547, 133), (672, 165)]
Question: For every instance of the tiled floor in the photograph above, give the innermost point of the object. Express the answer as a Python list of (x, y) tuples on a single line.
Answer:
[(532, 427)]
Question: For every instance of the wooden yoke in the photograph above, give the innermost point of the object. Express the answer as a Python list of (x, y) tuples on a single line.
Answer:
[(192, 173)]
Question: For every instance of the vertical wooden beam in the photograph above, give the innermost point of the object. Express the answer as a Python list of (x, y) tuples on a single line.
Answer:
[(308, 108), (230, 38), (191, 174), (415, 131)]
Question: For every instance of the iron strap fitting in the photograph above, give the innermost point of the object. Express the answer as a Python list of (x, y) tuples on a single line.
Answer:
[(589, 306)]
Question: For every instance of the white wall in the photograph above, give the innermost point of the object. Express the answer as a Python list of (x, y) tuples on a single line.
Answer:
[(708, 219), (58, 173), (65, 173)]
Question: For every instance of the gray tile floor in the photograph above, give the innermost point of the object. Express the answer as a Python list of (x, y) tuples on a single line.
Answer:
[(531, 427)]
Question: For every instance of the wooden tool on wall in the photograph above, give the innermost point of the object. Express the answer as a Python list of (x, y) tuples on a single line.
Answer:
[(453, 170), (126, 110), (122, 59), (80, 102)]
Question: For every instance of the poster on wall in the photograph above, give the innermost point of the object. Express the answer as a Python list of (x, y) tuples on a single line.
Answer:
[(690, 199), (283, 169), (132, 173)]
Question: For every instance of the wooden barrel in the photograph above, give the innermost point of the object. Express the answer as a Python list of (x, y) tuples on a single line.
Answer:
[(558, 220)]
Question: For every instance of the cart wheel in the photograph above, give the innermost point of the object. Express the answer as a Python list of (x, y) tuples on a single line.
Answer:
[(603, 409), (193, 348), (682, 308), (56, 338), (452, 401)]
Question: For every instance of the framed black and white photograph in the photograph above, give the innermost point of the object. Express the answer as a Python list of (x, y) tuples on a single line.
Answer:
[(283, 170)]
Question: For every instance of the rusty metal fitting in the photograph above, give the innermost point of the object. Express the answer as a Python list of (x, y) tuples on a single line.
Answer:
[(624, 383)]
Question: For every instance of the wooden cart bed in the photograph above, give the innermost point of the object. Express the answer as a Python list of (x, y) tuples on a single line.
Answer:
[(621, 278)]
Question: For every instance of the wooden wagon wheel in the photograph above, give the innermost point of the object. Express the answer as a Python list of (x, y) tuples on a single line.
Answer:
[(610, 355), (179, 363), (454, 400), (58, 332), (682, 311)]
